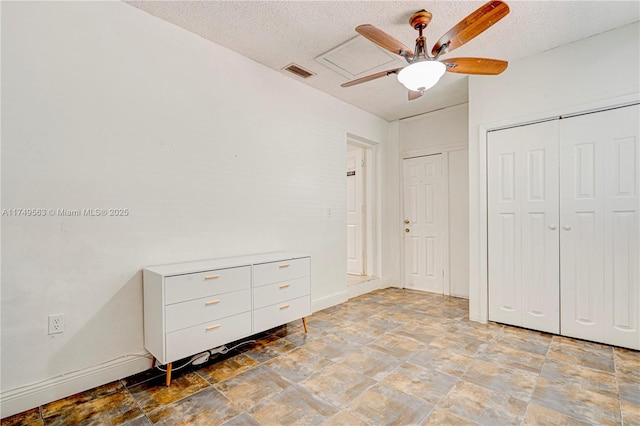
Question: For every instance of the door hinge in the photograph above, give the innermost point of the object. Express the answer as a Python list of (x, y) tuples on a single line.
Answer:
[(362, 163)]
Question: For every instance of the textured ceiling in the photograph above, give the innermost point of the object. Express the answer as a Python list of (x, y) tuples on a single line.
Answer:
[(277, 33)]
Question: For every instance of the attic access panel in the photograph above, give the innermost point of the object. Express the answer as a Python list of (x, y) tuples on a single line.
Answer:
[(358, 57)]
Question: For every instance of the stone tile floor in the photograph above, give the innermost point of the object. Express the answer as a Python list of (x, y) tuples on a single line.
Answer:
[(392, 357)]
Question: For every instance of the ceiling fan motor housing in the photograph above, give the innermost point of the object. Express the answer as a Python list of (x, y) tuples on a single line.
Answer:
[(420, 19)]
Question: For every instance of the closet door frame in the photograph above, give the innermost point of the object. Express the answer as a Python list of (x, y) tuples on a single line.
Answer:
[(434, 150), (478, 237)]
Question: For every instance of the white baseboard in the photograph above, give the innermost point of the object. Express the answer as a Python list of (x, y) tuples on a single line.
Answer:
[(329, 301), (392, 282), (24, 398), (355, 290)]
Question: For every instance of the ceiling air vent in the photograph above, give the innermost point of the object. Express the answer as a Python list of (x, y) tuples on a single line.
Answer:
[(298, 71)]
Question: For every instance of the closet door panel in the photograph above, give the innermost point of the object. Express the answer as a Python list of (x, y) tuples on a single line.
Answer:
[(600, 233), (523, 226), (581, 219), (622, 228), (505, 289), (540, 251)]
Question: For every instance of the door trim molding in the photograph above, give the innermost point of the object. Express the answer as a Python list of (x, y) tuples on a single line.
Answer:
[(373, 205), (446, 264)]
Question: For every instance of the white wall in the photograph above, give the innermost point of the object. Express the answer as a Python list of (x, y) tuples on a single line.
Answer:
[(594, 72), (391, 219), (436, 131), (459, 223), (446, 131), (212, 154)]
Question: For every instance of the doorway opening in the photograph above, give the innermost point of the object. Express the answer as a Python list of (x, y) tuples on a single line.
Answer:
[(361, 199)]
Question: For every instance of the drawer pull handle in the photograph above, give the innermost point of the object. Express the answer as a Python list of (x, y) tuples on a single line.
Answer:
[(213, 327), (212, 302), (284, 306), (284, 285), (212, 277), (284, 265)]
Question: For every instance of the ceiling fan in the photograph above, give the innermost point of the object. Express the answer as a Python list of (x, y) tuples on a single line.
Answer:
[(424, 70)]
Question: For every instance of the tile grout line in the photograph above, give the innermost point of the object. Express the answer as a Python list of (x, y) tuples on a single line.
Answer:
[(615, 371), (558, 337), (135, 401), (539, 374)]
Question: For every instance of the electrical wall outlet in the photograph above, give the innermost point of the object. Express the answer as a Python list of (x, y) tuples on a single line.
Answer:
[(56, 323)]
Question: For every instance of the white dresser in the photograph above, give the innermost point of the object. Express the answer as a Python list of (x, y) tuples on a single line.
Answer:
[(194, 306)]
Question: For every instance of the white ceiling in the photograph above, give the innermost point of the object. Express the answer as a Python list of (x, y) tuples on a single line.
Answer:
[(277, 33)]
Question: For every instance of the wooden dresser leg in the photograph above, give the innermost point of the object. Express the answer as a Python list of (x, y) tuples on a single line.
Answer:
[(153, 362), (169, 373), (304, 324)]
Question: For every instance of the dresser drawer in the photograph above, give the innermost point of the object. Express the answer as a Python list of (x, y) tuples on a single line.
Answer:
[(180, 288), (268, 273), (192, 340), (279, 292), (281, 313), (199, 311)]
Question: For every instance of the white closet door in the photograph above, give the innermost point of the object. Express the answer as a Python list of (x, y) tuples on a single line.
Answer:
[(599, 157), (523, 226), (540, 233), (505, 289)]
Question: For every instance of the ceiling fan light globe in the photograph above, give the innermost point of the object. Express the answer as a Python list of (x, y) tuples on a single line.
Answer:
[(421, 76)]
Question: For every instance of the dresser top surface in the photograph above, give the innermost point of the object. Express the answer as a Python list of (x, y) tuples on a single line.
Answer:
[(221, 263)]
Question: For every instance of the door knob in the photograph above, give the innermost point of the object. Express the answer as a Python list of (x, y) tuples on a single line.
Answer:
[(406, 229), (552, 227), (566, 228), (407, 221)]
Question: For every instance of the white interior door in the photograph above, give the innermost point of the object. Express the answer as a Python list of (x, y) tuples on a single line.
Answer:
[(424, 225), (599, 156), (354, 212), (523, 226)]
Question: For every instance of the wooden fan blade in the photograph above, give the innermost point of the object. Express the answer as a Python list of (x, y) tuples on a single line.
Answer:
[(480, 66), (414, 95), (382, 39), (471, 26), (370, 77)]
